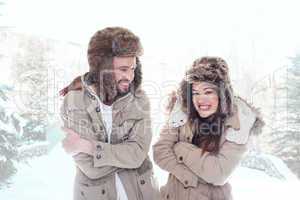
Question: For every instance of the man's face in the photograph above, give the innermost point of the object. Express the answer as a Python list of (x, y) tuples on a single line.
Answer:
[(124, 72)]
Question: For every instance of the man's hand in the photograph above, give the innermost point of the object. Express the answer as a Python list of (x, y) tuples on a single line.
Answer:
[(74, 144)]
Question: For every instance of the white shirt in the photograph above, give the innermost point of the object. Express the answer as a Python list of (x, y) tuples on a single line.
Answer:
[(106, 112)]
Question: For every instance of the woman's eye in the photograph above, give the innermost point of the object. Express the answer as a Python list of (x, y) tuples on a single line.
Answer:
[(208, 92)]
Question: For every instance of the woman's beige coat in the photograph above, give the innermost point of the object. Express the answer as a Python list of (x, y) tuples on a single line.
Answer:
[(193, 176)]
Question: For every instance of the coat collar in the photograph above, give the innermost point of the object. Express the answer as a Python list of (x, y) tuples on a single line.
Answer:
[(233, 121), (178, 117)]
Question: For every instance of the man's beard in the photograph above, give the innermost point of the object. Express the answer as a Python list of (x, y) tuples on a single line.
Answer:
[(121, 92)]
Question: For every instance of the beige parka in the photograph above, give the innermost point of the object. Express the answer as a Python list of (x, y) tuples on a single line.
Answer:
[(193, 176)]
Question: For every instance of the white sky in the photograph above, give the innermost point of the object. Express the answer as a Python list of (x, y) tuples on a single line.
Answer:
[(256, 35)]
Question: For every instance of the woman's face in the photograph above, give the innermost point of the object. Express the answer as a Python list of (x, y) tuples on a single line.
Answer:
[(205, 98)]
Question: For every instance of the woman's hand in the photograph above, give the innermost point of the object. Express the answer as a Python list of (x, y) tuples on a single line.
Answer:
[(74, 144)]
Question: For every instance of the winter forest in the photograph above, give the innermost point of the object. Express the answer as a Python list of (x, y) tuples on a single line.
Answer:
[(43, 47)]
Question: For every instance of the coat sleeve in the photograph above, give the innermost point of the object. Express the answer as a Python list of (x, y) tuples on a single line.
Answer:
[(131, 153), (213, 168), (165, 158), (83, 161), (217, 168)]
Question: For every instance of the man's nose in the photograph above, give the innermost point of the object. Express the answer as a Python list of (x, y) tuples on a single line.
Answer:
[(127, 76)]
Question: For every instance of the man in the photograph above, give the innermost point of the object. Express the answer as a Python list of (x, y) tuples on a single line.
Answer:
[(106, 116)]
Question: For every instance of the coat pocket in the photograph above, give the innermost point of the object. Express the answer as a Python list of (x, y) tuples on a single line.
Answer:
[(94, 192), (125, 130), (148, 186), (167, 192), (79, 121)]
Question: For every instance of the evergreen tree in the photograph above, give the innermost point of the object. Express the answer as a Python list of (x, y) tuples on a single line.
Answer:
[(285, 134), (291, 152), (30, 70)]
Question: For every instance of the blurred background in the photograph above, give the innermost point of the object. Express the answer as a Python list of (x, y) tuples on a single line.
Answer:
[(43, 47)]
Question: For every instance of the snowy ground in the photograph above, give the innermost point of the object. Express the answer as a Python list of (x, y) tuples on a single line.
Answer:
[(51, 178)]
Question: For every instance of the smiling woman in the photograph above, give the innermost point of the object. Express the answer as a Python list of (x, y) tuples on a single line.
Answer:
[(202, 147)]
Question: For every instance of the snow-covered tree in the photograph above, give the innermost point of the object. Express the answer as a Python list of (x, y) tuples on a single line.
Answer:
[(285, 134), (291, 151), (10, 129), (30, 71)]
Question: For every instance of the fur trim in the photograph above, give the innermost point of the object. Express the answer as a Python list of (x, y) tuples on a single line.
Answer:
[(177, 117), (110, 42), (259, 122)]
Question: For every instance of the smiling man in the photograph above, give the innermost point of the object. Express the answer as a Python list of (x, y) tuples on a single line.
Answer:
[(107, 123)]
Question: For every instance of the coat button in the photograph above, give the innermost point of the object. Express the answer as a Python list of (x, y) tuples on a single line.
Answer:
[(168, 196), (99, 147), (101, 128), (98, 109), (186, 182), (93, 97), (142, 182), (82, 193), (188, 138), (180, 158), (103, 191), (98, 156)]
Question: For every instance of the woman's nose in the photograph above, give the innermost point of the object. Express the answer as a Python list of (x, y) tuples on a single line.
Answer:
[(202, 99)]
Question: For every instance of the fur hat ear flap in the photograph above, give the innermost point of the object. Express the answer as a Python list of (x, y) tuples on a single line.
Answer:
[(137, 81), (107, 88), (226, 99)]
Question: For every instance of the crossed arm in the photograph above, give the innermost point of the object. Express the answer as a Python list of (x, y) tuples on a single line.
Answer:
[(187, 163), (97, 159)]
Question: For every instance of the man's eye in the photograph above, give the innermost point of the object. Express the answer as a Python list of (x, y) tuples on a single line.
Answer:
[(208, 92), (123, 69)]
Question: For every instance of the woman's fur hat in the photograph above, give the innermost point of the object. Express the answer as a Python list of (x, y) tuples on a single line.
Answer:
[(213, 70)]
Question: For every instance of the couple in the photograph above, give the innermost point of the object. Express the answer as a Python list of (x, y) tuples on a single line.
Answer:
[(107, 122)]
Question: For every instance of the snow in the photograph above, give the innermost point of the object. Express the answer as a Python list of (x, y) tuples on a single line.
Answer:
[(253, 184), (51, 177), (46, 177), (34, 145), (2, 158), (7, 127), (10, 111)]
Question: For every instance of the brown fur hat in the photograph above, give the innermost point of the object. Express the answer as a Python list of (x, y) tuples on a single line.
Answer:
[(110, 42), (103, 46), (213, 70)]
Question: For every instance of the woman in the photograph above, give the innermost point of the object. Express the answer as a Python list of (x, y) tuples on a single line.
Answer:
[(206, 135)]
